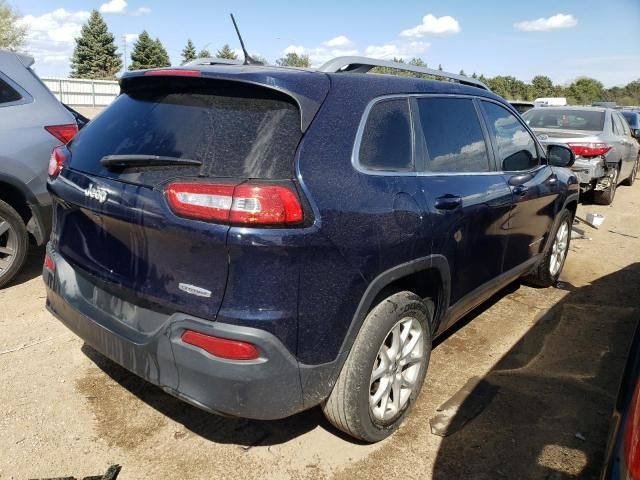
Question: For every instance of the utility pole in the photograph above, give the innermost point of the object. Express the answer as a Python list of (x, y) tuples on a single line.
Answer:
[(124, 48)]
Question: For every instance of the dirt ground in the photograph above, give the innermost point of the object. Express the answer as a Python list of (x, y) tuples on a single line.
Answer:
[(548, 361)]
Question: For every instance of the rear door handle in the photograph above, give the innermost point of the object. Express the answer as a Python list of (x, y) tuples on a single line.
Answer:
[(520, 189), (448, 202)]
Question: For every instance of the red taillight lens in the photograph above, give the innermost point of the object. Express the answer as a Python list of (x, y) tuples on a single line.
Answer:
[(589, 149), (64, 133), (221, 347), (244, 204), (632, 436), (175, 72), (49, 264), (59, 155)]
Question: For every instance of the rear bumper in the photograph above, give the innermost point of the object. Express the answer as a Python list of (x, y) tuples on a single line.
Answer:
[(588, 170), (148, 344)]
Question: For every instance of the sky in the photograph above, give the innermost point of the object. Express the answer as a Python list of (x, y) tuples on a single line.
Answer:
[(563, 39)]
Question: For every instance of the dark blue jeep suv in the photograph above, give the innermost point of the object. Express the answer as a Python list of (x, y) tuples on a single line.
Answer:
[(259, 240)]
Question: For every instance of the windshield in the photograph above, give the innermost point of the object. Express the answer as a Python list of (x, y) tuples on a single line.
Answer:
[(591, 120)]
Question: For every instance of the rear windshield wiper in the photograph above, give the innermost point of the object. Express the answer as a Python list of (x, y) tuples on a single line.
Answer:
[(124, 161)]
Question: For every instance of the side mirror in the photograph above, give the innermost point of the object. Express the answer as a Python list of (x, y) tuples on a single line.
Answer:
[(636, 133), (560, 155)]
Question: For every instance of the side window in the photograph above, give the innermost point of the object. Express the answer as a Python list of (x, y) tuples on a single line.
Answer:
[(615, 125), (386, 140), (453, 135), (516, 149), (7, 93), (624, 124)]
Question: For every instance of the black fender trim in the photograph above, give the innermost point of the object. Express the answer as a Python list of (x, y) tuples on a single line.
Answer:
[(386, 278), (575, 196)]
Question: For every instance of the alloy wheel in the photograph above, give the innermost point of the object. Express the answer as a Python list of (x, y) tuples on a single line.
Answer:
[(559, 249), (8, 245), (396, 370)]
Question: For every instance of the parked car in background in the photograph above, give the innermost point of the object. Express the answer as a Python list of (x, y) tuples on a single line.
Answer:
[(550, 102), (32, 123), (308, 249), (622, 461), (606, 153), (522, 107), (633, 119)]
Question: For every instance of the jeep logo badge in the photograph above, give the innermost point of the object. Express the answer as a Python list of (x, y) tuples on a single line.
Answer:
[(97, 193)]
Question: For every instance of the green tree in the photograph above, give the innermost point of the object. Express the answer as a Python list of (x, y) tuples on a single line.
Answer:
[(148, 53), (294, 60), (542, 86), (226, 52), (188, 52), (160, 56), (95, 54), (440, 66), (462, 73), (585, 90), (204, 53), (12, 35)]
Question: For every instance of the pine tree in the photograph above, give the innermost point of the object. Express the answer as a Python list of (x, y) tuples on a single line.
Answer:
[(440, 66), (143, 52), (161, 57), (204, 53), (148, 53), (189, 52), (95, 53), (226, 52)]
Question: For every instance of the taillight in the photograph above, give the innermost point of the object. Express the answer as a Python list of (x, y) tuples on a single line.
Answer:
[(221, 347), (64, 133), (59, 156), (632, 436), (243, 204), (49, 264), (174, 72), (589, 149)]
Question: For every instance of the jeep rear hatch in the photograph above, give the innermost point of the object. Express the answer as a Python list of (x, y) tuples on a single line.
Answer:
[(113, 218)]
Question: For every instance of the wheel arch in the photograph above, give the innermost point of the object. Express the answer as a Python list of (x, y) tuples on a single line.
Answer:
[(426, 276), (18, 195)]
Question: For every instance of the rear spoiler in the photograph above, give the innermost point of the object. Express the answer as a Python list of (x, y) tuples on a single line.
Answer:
[(307, 95)]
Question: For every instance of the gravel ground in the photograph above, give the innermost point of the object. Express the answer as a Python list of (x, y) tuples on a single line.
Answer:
[(548, 363)]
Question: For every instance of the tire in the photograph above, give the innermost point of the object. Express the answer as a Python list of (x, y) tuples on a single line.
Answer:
[(634, 172), (605, 197), (14, 242), (547, 271), (348, 406)]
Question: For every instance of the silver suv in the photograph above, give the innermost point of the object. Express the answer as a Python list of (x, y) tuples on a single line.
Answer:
[(32, 123), (606, 152)]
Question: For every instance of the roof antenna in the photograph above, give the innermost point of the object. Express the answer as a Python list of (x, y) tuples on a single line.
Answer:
[(247, 58)]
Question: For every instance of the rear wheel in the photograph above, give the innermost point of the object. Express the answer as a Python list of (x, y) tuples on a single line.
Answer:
[(385, 369), (548, 270), (14, 242), (634, 172), (605, 197)]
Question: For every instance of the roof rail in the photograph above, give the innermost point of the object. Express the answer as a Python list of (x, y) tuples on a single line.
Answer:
[(356, 64), (212, 61)]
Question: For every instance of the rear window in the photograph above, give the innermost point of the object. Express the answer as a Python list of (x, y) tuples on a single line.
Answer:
[(235, 130), (592, 120)]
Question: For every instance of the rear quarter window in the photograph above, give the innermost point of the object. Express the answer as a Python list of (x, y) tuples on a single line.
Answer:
[(235, 130), (386, 139), (7, 93)]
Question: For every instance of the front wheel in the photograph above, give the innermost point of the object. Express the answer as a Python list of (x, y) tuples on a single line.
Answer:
[(548, 270), (385, 369)]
